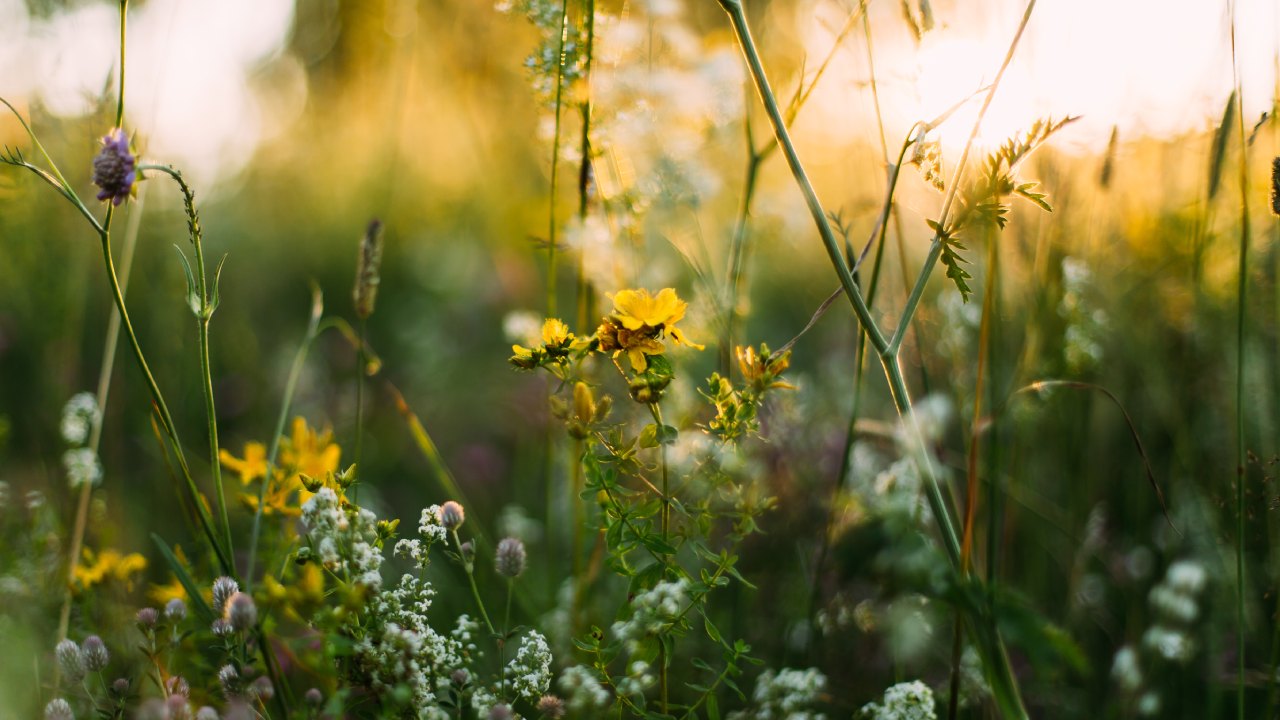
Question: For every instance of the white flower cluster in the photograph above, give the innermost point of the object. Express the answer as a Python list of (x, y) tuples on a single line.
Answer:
[(530, 670), (78, 417), (582, 689), (1175, 603), (345, 540), (402, 648), (430, 527), (651, 611), (904, 701), (898, 492), (785, 695), (432, 532), (639, 678)]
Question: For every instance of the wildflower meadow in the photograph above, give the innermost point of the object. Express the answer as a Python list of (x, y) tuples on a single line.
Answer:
[(743, 359)]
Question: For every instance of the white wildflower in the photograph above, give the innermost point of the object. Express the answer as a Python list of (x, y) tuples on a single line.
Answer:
[(904, 701), (82, 467), (582, 689), (78, 417), (530, 671)]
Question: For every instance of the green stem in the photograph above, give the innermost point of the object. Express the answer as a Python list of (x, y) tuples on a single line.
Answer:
[(295, 372), (124, 7), (994, 656), (663, 659), (469, 567), (738, 18), (1241, 298), (204, 313), (555, 164), (360, 365), (161, 408)]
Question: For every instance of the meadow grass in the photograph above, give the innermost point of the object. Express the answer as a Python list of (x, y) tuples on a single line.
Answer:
[(623, 521)]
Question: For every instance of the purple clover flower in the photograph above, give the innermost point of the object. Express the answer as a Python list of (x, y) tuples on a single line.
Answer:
[(114, 168)]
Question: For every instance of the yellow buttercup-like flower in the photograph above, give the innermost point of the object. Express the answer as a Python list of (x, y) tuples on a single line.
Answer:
[(252, 467), (638, 323), (108, 565), (555, 332)]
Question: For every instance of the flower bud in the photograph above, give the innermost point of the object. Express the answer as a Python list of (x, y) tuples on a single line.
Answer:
[(223, 588), (95, 654), (263, 689), (551, 707), (510, 557), (313, 697), (206, 713), (58, 709), (242, 613), (71, 660), (452, 515), (147, 618), (175, 610)]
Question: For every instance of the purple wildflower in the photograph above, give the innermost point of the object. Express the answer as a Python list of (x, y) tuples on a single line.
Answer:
[(114, 168)]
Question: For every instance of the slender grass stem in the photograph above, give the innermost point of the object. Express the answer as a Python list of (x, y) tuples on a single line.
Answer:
[(291, 385), (1241, 299), (555, 163), (665, 520), (994, 656), (204, 305), (360, 370), (469, 567), (102, 394)]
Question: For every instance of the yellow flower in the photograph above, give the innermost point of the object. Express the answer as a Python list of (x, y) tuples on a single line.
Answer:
[(252, 467), (108, 565), (555, 332), (304, 451), (309, 452), (638, 323), (173, 590)]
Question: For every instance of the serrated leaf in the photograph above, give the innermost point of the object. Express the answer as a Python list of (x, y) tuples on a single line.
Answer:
[(952, 260), (1038, 198)]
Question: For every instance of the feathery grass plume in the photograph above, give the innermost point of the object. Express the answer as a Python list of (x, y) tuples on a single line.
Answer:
[(368, 267), (1217, 160), (1275, 186), (1109, 160)]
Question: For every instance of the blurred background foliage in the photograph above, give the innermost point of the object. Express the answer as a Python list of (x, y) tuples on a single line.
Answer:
[(421, 114)]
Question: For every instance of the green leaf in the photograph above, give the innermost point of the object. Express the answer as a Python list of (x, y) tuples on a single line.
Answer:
[(952, 260), (194, 595), (193, 298), (1038, 198), (712, 631), (713, 707)]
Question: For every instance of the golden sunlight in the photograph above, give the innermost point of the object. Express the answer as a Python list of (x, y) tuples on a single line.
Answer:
[(1148, 67)]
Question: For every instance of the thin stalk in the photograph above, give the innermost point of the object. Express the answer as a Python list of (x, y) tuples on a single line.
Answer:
[(204, 313), (360, 363), (469, 567), (994, 655), (555, 164), (106, 368), (1241, 297), (124, 7), (917, 291), (663, 658), (157, 398), (738, 17), (291, 385)]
